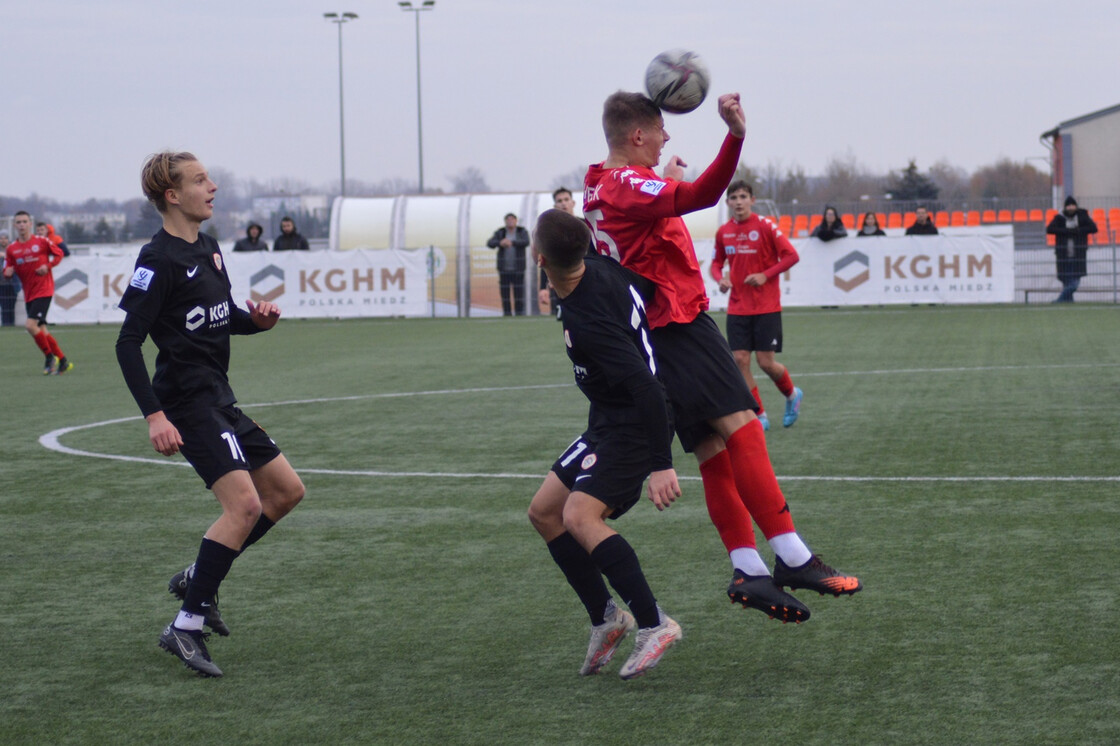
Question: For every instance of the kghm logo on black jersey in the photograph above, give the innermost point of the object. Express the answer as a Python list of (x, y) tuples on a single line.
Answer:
[(195, 317), (218, 316)]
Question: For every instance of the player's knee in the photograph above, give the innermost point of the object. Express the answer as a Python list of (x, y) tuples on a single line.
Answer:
[(544, 520), (576, 521), (743, 358), (245, 510), (292, 493)]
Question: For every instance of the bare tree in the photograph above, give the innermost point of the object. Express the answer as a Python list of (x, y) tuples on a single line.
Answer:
[(1007, 179), (951, 181), (794, 185), (572, 180), (470, 180), (845, 180)]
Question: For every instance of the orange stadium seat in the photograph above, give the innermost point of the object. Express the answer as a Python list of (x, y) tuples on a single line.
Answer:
[(1019, 216), (785, 224), (881, 219), (800, 225), (849, 221), (988, 216), (894, 220), (1036, 215), (1005, 216), (1050, 216), (814, 222), (956, 218), (1101, 236), (973, 218), (908, 219), (941, 220)]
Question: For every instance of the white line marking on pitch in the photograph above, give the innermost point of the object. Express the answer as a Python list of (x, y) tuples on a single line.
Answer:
[(52, 440)]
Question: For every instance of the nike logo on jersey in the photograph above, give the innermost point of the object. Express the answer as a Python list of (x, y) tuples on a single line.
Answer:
[(192, 271), (583, 476)]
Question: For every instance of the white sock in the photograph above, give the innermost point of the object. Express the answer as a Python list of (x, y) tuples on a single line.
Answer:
[(791, 549), (187, 620), (748, 560)]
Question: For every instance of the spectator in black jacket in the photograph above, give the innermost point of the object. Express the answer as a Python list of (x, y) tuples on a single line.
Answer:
[(1071, 229), (511, 242), (870, 226), (9, 289), (923, 224), (252, 240), (830, 226), (289, 240)]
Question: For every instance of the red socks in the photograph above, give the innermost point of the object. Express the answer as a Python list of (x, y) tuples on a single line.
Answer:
[(755, 480), (758, 399), (46, 342), (726, 510), (785, 385), (53, 344)]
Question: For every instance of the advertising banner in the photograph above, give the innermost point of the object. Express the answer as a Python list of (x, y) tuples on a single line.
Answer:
[(883, 270), (316, 284)]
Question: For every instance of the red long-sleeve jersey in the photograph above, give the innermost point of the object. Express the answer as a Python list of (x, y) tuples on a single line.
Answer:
[(635, 218), (752, 246)]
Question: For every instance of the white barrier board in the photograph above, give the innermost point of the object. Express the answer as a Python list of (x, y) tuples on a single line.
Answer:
[(956, 268)]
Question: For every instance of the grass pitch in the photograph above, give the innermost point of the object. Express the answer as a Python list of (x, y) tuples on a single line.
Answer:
[(962, 461)]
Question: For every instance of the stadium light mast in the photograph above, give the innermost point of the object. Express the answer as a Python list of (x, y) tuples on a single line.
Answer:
[(338, 19), (408, 7)]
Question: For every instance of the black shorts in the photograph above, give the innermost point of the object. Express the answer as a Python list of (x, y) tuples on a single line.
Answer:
[(37, 309), (610, 469), (218, 440), (701, 377), (755, 333)]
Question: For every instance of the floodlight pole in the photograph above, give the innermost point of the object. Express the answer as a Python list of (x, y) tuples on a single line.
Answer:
[(408, 7), (338, 19)]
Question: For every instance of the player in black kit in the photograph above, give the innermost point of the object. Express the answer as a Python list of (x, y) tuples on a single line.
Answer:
[(179, 295), (628, 438)]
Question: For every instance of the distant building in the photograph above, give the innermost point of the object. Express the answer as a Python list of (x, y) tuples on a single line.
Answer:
[(1085, 156)]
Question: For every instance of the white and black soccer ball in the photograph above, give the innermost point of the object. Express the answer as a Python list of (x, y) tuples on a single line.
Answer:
[(677, 81)]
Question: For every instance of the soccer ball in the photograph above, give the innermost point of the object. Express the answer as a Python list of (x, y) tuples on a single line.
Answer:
[(677, 81)]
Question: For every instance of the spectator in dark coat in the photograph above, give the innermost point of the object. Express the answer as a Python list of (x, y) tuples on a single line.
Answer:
[(252, 240), (870, 226), (289, 240), (1071, 229), (511, 242), (830, 226), (923, 224)]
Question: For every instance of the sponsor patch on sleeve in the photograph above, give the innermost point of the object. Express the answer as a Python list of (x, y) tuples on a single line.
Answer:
[(652, 186), (142, 278)]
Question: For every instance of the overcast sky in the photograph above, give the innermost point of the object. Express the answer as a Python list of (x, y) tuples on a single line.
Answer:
[(515, 87)]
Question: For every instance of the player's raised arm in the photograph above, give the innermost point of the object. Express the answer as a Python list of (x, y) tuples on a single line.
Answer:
[(706, 190)]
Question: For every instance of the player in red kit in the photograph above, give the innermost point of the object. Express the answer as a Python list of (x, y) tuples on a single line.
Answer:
[(635, 217), (33, 258), (757, 253)]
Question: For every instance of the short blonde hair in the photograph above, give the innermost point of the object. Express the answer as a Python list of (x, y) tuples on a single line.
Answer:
[(163, 171)]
